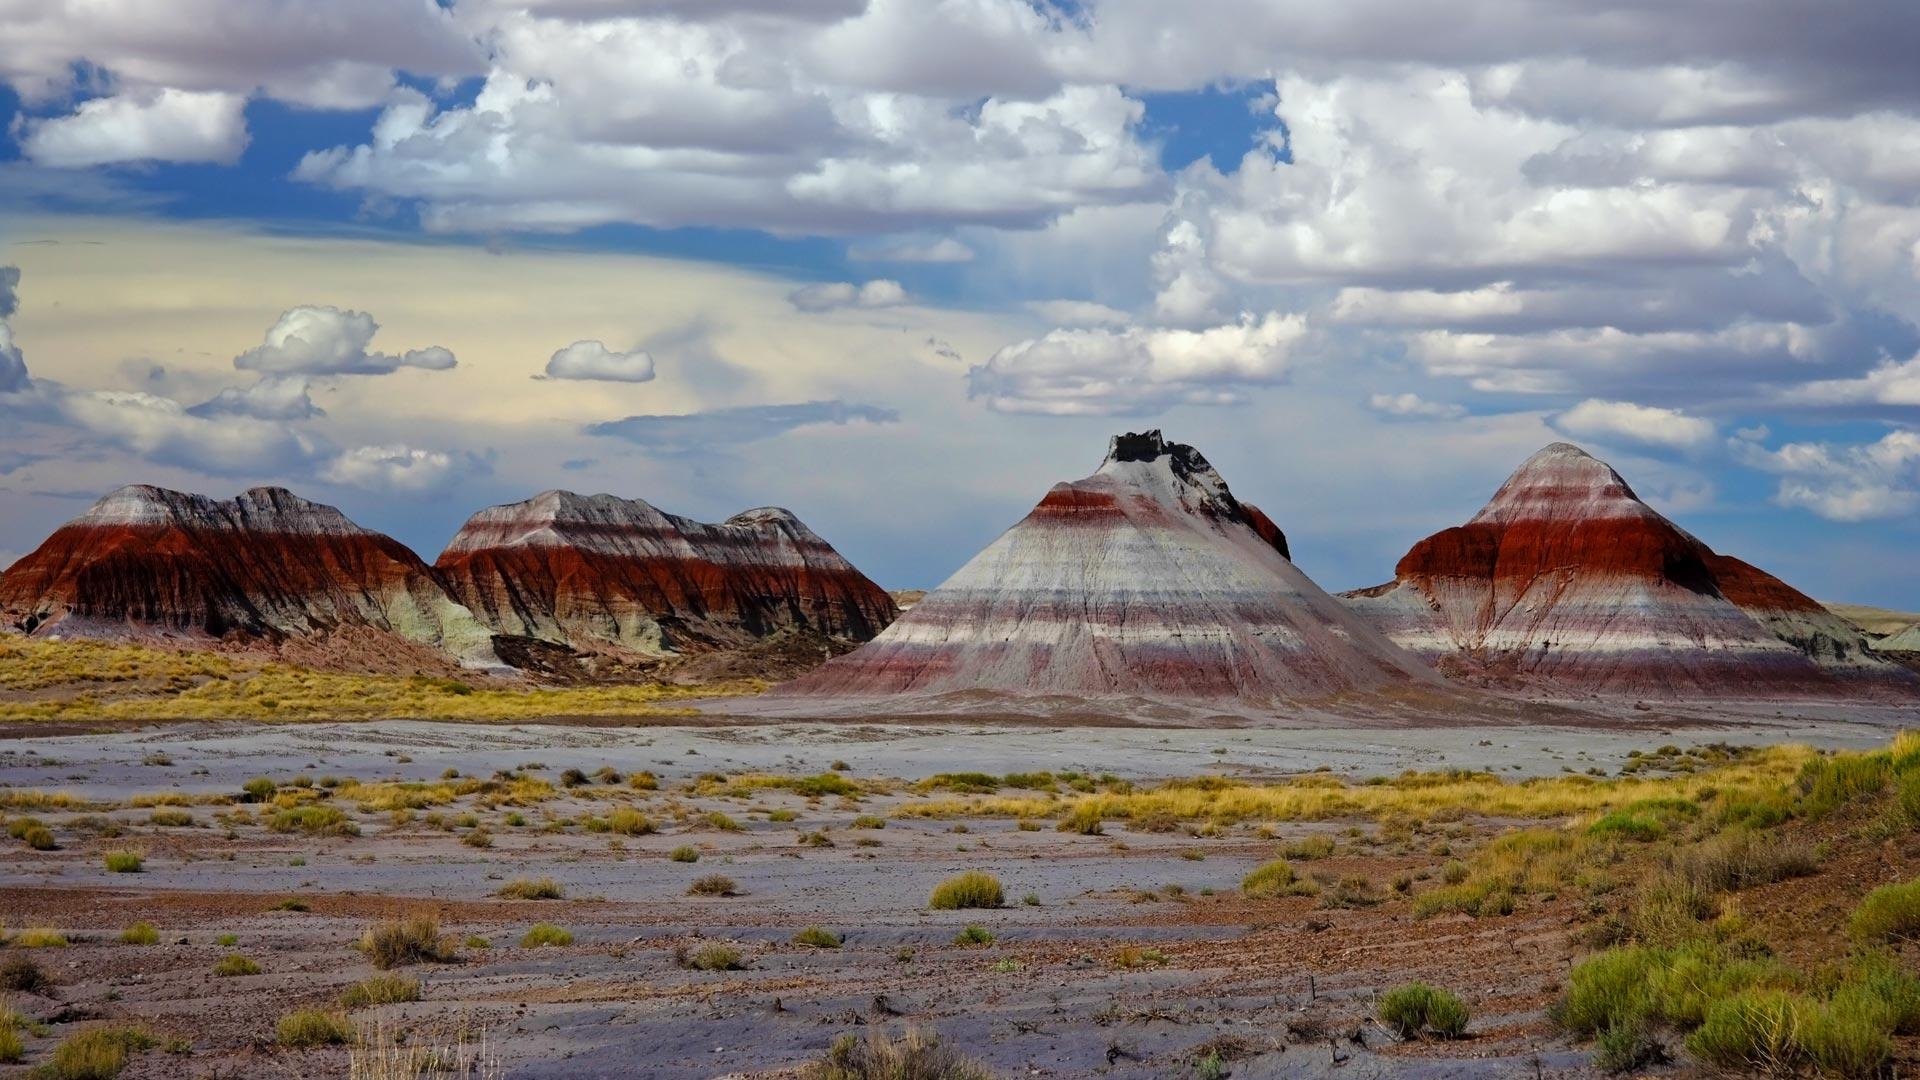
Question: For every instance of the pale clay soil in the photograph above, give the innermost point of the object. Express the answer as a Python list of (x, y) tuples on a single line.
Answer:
[(1286, 984)]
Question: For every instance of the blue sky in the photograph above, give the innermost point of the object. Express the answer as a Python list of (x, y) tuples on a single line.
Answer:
[(902, 266)]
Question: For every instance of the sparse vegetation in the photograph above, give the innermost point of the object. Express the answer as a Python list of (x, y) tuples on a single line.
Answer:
[(815, 938), (973, 889), (973, 934), (880, 1056), (40, 937), (234, 964), (140, 933), (125, 862), (1889, 913), (21, 975), (313, 1027), (685, 853), (380, 990), (1418, 1010), (710, 958), (544, 935), (713, 885), (1276, 878), (97, 1053), (313, 821), (415, 939), (532, 889)]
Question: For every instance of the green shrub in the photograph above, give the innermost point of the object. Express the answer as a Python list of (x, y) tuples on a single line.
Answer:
[(1846, 1037), (1889, 913), (96, 1053), (542, 935), (531, 889), (235, 964), (140, 933), (643, 781), (12, 1049), (1628, 1046), (259, 790), (414, 939), (720, 821), (816, 938), (712, 958), (1276, 879), (712, 885), (630, 822), (1828, 783), (973, 889), (171, 817), (380, 990), (685, 853), (973, 935), (879, 1056), (1753, 1031), (312, 1027), (39, 838), (40, 937), (1309, 848), (313, 821), (1417, 1010), (869, 821), (1084, 819), (125, 862)]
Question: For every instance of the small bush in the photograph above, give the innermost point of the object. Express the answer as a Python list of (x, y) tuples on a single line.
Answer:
[(572, 778), (532, 889), (412, 940), (643, 781), (685, 853), (1084, 819), (879, 1056), (1309, 848), (1276, 879), (313, 821), (720, 821), (380, 990), (869, 821), (125, 862), (140, 933), (974, 934), (39, 838), (96, 1053), (12, 1049), (478, 838), (1417, 1010), (543, 935), (22, 975), (630, 822), (712, 885), (815, 938), (711, 958), (235, 964), (259, 790), (973, 889), (1752, 1031), (312, 1027), (40, 937), (1889, 913), (169, 817)]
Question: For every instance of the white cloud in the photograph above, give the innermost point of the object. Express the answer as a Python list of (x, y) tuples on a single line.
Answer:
[(271, 397), (1892, 383), (1843, 483), (329, 341), (594, 361), (943, 249), (13, 364), (1138, 370), (167, 125), (1646, 424), (161, 429), (1078, 313), (874, 294), (1415, 407), (396, 468)]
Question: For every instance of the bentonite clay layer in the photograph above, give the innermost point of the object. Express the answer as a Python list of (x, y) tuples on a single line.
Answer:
[(265, 564), (1147, 578), (596, 570), (1568, 579)]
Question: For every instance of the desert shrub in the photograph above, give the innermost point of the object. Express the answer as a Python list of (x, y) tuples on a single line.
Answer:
[(572, 778), (21, 975), (140, 933), (1754, 1031), (414, 939), (973, 934), (1889, 913), (1309, 848), (40, 937), (1845, 1038), (1645, 820), (630, 822), (12, 1048), (721, 821), (817, 838), (1828, 783), (967, 783), (685, 853), (235, 964), (1084, 819), (816, 938), (1742, 859), (711, 958), (869, 821), (643, 781), (124, 862), (39, 838), (712, 885), (973, 889), (313, 1027), (1416, 1010), (1668, 909), (879, 1056), (313, 821), (259, 790), (478, 838), (380, 990), (170, 817), (543, 935), (531, 889), (1628, 1046), (95, 1054)]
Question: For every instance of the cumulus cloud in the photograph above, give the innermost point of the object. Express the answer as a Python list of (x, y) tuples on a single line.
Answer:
[(1415, 407), (826, 297), (1136, 371), (1645, 424), (169, 125), (329, 341), (162, 430), (592, 360), (398, 468), (1839, 482), (1078, 313), (688, 433), (271, 397), (1894, 382), (13, 363)]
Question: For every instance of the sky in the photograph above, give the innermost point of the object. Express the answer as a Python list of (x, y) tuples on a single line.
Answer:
[(900, 265)]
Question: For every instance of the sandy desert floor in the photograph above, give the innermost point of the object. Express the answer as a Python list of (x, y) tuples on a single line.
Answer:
[(1126, 945)]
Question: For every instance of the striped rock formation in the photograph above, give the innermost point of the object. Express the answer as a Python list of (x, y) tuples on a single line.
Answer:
[(592, 571), (1567, 579), (1147, 578), (268, 565)]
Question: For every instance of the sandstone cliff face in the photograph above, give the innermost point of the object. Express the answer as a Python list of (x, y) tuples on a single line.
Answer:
[(593, 570), (1568, 579), (1147, 578), (266, 564)]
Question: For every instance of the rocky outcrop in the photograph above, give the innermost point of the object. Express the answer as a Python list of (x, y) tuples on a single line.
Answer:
[(265, 565), (1148, 579), (595, 571), (1566, 579)]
